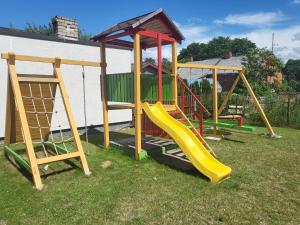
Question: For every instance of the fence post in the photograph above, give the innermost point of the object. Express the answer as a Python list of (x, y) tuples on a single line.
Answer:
[(288, 109)]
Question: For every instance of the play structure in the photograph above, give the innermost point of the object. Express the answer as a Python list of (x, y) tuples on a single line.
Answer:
[(154, 98), (158, 108), (31, 101)]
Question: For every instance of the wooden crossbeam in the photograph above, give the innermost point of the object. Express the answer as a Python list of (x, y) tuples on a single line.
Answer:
[(57, 158), (201, 66), (120, 106), (38, 80), (52, 60)]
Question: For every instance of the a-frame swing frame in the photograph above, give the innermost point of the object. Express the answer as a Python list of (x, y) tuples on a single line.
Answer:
[(15, 104), (259, 108), (217, 111)]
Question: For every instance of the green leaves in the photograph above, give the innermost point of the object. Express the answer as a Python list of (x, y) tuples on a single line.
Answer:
[(260, 64), (216, 48), (40, 29)]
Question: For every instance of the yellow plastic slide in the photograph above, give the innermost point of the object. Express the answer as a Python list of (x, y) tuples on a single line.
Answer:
[(188, 142)]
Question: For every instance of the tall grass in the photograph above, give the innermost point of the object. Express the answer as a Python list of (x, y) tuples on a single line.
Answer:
[(279, 110)]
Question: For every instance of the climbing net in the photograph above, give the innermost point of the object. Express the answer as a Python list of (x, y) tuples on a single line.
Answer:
[(42, 106)]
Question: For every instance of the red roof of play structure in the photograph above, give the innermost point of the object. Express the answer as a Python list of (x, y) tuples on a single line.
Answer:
[(157, 21)]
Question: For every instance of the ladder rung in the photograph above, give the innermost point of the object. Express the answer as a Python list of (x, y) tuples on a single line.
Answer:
[(57, 158), (174, 113), (38, 79)]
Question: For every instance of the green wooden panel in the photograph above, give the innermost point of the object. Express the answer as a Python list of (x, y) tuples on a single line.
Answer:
[(120, 87)]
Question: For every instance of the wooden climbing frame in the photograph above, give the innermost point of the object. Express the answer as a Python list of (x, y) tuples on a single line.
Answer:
[(30, 110)]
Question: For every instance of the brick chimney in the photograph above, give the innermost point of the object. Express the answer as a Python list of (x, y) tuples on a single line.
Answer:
[(65, 28), (228, 55)]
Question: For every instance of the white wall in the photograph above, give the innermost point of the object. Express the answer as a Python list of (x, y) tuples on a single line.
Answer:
[(117, 61)]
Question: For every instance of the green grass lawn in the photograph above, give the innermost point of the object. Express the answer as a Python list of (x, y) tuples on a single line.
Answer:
[(264, 188)]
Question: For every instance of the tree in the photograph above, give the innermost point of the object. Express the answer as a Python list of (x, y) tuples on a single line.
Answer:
[(49, 30), (149, 60), (259, 64), (205, 86), (196, 50), (292, 70), (195, 87), (240, 46), (83, 35), (167, 64), (40, 29), (215, 48)]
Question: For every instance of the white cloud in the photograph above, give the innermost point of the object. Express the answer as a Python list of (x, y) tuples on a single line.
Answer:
[(253, 19), (285, 47), (296, 36), (287, 40), (296, 1), (192, 33)]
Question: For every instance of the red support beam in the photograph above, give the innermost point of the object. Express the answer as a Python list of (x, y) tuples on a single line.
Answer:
[(201, 122), (193, 95), (121, 43), (115, 36), (153, 34), (159, 68), (182, 97)]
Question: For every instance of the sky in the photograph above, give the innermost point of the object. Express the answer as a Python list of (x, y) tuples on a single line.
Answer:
[(198, 20)]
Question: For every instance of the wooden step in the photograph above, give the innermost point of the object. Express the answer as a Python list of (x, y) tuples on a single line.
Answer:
[(174, 113)]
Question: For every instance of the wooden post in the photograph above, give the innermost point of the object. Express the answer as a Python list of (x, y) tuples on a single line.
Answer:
[(66, 102), (103, 95), (174, 73), (137, 96), (24, 123), (228, 96), (159, 69), (215, 99), (256, 103), (10, 111)]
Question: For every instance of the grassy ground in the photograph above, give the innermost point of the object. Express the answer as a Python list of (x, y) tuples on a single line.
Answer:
[(263, 189)]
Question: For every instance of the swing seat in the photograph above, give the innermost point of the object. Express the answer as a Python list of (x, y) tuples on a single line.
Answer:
[(238, 118)]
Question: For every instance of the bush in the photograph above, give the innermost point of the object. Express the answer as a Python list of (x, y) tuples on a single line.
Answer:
[(275, 107)]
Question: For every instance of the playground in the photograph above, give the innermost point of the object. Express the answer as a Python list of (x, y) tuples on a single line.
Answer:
[(177, 162), (262, 188)]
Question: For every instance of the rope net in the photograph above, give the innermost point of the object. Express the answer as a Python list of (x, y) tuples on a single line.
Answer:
[(45, 112)]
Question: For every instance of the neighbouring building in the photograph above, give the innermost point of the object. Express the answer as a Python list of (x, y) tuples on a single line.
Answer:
[(225, 77), (149, 68), (65, 45)]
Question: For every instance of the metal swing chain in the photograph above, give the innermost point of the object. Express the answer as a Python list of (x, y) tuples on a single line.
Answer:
[(85, 113)]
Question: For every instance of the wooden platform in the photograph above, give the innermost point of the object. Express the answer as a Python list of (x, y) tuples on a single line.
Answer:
[(132, 106)]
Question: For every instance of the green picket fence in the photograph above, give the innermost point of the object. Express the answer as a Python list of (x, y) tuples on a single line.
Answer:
[(120, 87)]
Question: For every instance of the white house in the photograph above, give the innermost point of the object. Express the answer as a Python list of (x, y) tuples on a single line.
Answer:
[(25, 43)]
